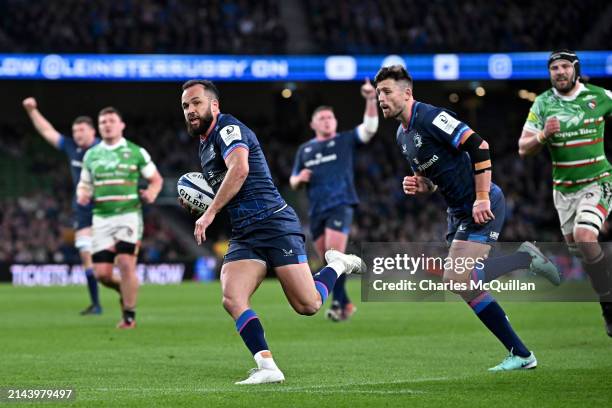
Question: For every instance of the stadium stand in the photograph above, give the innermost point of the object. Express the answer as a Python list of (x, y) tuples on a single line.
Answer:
[(418, 26), (142, 26)]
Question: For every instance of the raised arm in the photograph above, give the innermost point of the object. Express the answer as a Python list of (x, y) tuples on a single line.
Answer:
[(42, 125), (368, 128)]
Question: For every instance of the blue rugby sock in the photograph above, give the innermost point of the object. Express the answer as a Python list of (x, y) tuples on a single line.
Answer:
[(339, 291), (493, 268), (92, 286), (493, 316), (325, 280), (250, 329)]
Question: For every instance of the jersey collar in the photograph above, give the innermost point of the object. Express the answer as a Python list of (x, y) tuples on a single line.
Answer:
[(412, 116), (120, 143), (210, 128), (580, 89)]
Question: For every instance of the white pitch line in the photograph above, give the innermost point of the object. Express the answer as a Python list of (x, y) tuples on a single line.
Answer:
[(309, 389)]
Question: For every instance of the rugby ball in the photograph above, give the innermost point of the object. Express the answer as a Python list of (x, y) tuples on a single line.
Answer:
[(195, 191)]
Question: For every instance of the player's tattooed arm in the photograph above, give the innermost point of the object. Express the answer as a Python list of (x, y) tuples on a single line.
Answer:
[(418, 184), (431, 187)]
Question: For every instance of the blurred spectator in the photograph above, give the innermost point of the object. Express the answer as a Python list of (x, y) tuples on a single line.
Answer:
[(429, 26), (142, 26), (36, 228)]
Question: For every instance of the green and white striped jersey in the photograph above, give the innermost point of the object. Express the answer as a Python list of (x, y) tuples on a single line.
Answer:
[(577, 151), (113, 172)]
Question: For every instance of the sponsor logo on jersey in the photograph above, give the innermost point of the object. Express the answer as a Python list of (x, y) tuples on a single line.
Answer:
[(428, 163), (445, 122), (308, 149), (230, 133), (331, 144), (494, 235), (592, 104), (319, 159), (532, 117), (215, 178), (404, 148), (337, 223)]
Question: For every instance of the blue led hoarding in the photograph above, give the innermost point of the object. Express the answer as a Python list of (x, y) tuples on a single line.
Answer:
[(443, 67)]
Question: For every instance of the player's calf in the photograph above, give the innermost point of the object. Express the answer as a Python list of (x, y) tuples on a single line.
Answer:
[(297, 282)]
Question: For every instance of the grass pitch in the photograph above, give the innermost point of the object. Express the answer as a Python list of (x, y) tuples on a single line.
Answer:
[(186, 352)]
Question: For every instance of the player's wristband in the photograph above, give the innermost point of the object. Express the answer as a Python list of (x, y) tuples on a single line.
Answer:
[(540, 139), (482, 195)]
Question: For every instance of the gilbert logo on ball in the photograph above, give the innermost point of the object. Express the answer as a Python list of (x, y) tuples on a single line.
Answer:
[(195, 191)]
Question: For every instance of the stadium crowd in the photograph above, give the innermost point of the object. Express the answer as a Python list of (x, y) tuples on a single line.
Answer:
[(257, 27), (36, 228), (418, 26), (142, 26)]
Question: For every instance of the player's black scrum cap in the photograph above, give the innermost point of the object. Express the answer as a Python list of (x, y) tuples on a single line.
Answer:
[(565, 54)]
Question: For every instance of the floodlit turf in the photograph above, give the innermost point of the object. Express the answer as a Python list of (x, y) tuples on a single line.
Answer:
[(186, 352)]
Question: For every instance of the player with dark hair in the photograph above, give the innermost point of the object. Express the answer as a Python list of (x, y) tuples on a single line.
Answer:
[(266, 232), (83, 138), (109, 178), (447, 156), (325, 165), (569, 119)]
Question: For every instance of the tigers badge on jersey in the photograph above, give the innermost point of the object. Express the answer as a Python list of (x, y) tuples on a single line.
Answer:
[(230, 133)]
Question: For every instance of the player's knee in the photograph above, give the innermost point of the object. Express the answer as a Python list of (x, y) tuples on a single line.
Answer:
[(307, 308), (584, 235), (455, 281), (232, 305), (104, 276)]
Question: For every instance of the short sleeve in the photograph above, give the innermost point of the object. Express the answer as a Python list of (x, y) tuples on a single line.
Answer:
[(608, 102), (446, 128), (67, 145), (146, 165), (231, 137), (61, 143), (535, 120), (354, 136), (298, 164)]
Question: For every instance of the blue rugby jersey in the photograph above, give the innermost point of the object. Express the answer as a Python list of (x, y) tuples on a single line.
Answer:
[(75, 156), (331, 161), (431, 145), (258, 198)]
